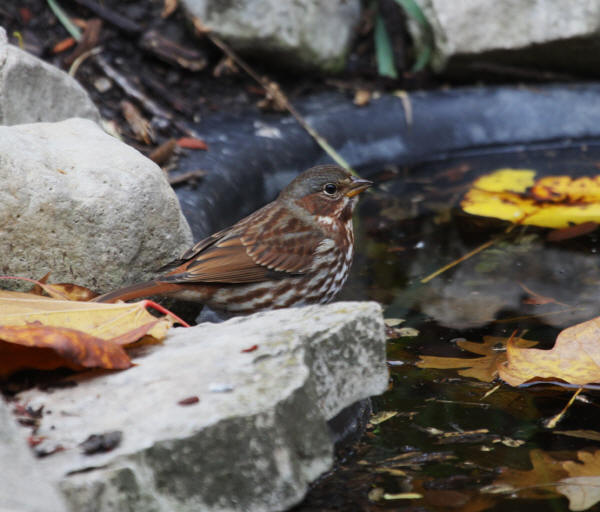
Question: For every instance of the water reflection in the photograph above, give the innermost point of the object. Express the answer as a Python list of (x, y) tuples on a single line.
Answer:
[(456, 442)]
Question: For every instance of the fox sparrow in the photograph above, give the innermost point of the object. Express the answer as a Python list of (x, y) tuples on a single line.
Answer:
[(294, 251)]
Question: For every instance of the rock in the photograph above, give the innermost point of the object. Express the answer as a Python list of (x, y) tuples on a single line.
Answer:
[(82, 205), (21, 474), (313, 34), (533, 33), (32, 90), (259, 390)]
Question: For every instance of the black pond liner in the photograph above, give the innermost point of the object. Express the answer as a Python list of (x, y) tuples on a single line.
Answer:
[(253, 155)]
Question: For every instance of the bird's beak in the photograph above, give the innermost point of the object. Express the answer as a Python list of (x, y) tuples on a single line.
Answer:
[(357, 185)]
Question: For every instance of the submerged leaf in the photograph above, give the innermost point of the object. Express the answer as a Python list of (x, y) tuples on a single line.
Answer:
[(582, 487), (539, 482), (482, 368)]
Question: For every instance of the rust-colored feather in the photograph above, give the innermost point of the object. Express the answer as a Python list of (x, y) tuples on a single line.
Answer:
[(253, 250)]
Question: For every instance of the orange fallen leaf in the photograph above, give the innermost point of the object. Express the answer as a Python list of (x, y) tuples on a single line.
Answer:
[(63, 45), (481, 368), (191, 143), (575, 358), (47, 348)]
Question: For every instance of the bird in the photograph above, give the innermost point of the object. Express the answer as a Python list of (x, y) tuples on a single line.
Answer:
[(295, 251)]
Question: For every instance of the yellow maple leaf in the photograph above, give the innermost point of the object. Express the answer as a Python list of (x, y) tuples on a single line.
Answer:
[(105, 321), (483, 368), (551, 201), (575, 358)]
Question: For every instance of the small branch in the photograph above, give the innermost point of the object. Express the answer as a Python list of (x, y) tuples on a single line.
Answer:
[(116, 19), (272, 89), (465, 257), (130, 88), (552, 422), (187, 176)]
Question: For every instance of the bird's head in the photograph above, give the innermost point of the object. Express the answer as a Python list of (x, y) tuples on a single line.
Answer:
[(326, 190)]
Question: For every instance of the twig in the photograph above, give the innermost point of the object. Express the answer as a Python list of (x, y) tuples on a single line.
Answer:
[(552, 422), (79, 60), (465, 257), (520, 72), (89, 39), (118, 20), (130, 88), (275, 92), (186, 176)]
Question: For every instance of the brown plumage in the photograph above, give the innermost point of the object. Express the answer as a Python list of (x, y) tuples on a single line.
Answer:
[(296, 250)]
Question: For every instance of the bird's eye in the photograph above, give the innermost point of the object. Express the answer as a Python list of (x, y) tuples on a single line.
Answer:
[(330, 189)]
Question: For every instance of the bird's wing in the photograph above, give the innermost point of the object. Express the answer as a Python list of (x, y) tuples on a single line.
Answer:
[(268, 244)]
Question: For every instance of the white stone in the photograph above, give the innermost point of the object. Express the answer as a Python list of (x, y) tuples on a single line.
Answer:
[(20, 473), (471, 27), (84, 206), (32, 90), (299, 33), (256, 437)]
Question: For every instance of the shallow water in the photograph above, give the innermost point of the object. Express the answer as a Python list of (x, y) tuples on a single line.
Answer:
[(448, 442)]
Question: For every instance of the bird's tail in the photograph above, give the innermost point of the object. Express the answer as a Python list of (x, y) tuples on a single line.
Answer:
[(138, 291)]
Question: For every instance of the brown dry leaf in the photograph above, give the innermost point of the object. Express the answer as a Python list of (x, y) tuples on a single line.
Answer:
[(44, 333), (575, 358), (164, 152), (47, 348), (558, 235), (62, 291), (139, 125), (362, 97), (482, 368), (106, 321), (227, 67), (582, 487), (382, 417), (169, 7), (537, 299), (538, 482), (274, 98)]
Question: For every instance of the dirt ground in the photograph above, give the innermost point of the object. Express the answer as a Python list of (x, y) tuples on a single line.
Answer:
[(183, 75)]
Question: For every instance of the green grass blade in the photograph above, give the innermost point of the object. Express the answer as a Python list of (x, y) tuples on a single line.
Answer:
[(414, 11), (66, 22), (383, 50)]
